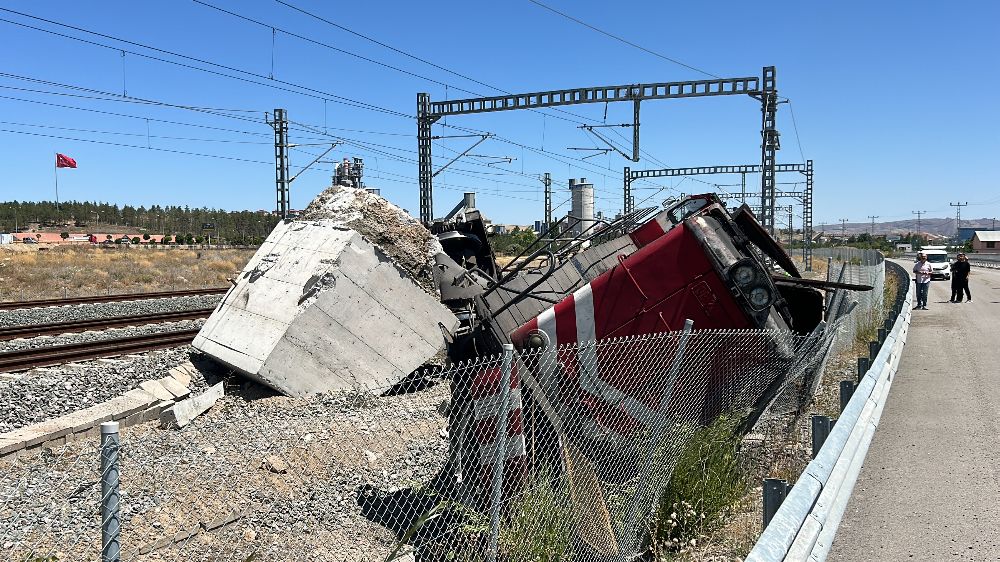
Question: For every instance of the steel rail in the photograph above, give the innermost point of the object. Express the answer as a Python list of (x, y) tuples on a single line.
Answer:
[(111, 298), (32, 330), (41, 357)]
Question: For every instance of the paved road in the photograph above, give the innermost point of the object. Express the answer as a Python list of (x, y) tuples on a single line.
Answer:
[(930, 486)]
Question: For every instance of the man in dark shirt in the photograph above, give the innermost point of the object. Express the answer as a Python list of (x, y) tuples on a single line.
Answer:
[(960, 279)]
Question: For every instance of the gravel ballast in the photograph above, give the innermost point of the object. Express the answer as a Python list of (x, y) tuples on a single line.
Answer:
[(90, 336), (51, 314), (274, 478), (50, 392)]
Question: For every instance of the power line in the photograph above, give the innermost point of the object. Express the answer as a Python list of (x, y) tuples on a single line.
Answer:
[(114, 97), (618, 38), (795, 127), (111, 95), (131, 134), (360, 104), (331, 47), (115, 114), (183, 152), (140, 101), (267, 81), (427, 62)]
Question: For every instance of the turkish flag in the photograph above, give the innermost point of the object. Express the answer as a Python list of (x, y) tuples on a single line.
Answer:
[(63, 161)]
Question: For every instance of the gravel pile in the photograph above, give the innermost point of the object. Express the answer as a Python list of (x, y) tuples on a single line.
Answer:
[(50, 392), (70, 313), (113, 333), (288, 470)]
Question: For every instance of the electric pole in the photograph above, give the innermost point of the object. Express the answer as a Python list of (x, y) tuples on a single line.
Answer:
[(280, 125), (919, 214), (919, 235), (843, 230), (791, 229), (958, 216), (872, 231), (547, 180)]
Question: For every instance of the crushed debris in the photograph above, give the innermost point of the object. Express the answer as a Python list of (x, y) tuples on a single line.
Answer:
[(410, 246)]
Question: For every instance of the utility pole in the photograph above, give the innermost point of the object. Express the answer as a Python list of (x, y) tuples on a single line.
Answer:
[(958, 216), (843, 230), (547, 180), (791, 228), (919, 214), (280, 125), (919, 235), (872, 231)]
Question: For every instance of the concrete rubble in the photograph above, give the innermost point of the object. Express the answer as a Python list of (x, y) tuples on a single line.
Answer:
[(139, 405), (185, 411), (343, 297)]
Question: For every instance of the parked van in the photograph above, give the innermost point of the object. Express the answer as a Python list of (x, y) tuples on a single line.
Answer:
[(938, 258)]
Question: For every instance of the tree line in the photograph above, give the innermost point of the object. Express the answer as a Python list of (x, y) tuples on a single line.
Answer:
[(181, 223)]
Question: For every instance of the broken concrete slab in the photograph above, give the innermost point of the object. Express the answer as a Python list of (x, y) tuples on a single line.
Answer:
[(178, 390), (320, 308), (185, 411), (183, 373), (156, 389), (135, 400)]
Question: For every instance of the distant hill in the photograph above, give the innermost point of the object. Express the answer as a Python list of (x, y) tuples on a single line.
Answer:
[(930, 226)]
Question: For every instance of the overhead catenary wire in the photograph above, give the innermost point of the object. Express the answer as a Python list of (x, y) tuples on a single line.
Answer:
[(263, 79), (432, 64), (140, 147), (561, 158), (121, 133), (114, 97), (620, 39), (143, 100), (116, 114), (111, 96)]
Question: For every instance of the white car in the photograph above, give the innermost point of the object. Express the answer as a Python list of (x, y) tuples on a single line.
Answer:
[(938, 259)]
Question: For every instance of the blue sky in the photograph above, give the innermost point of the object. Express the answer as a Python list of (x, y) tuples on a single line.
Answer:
[(895, 102)]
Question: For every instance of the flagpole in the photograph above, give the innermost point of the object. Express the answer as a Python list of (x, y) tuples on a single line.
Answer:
[(55, 168)]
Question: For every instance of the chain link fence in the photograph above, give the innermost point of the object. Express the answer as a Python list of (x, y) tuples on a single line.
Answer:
[(599, 451)]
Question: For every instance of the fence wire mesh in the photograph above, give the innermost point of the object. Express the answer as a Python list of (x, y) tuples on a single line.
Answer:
[(597, 451)]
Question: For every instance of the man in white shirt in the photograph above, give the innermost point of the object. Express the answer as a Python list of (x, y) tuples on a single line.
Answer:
[(923, 270)]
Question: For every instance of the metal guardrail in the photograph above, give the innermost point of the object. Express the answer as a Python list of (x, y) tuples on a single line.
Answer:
[(805, 525)]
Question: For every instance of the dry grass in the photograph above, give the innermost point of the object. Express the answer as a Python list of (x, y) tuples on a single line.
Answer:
[(80, 271)]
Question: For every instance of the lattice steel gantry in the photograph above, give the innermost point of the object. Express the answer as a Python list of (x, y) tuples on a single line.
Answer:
[(762, 89)]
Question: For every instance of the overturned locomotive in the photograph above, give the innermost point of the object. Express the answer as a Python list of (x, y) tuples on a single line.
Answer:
[(580, 399)]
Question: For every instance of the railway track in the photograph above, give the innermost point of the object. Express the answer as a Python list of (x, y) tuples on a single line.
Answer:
[(33, 330), (41, 357), (111, 298)]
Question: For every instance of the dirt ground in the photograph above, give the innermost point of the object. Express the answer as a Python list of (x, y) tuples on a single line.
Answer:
[(48, 272)]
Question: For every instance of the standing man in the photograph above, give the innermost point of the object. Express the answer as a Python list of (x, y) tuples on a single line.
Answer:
[(960, 278), (923, 269)]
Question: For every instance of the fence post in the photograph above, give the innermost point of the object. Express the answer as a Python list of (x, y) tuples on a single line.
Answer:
[(500, 450), (846, 392), (873, 347), (820, 430), (775, 490), (863, 365), (881, 336), (110, 497)]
